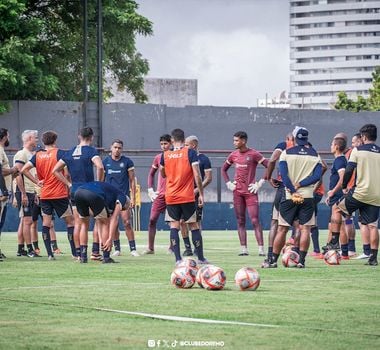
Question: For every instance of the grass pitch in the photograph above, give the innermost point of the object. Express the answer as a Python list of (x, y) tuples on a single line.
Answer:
[(50, 304)]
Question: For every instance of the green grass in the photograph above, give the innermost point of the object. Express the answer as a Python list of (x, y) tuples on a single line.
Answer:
[(46, 305)]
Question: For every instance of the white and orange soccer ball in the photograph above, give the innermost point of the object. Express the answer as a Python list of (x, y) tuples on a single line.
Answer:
[(213, 278), (199, 276), (191, 265), (332, 257), (247, 278), (290, 258), (182, 277)]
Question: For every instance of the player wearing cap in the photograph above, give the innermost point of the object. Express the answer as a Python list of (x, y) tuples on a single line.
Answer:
[(300, 168)]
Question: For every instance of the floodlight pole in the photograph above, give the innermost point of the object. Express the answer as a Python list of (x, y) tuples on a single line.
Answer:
[(99, 39), (85, 61)]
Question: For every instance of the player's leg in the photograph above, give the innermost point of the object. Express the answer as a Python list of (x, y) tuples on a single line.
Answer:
[(304, 244), (365, 235), (315, 230), (158, 207), (173, 216), (186, 239), (369, 216), (36, 212), (95, 251), (274, 221), (240, 207), (126, 216), (26, 225), (252, 202), (350, 229), (47, 211)]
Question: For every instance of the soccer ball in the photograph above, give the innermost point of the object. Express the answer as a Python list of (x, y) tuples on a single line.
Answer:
[(290, 258), (247, 278), (332, 257), (213, 278), (182, 277), (199, 275), (191, 265)]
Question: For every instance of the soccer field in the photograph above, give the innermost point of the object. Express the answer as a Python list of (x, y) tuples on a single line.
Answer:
[(67, 305)]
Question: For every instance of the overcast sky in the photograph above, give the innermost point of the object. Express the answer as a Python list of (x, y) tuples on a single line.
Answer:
[(238, 50)]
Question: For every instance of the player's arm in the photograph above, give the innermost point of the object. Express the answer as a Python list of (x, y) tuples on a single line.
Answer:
[(208, 178), (152, 172), (57, 171), (26, 172), (230, 185), (99, 168), (312, 179), (283, 165), (272, 163), (349, 171), (132, 186), (338, 186)]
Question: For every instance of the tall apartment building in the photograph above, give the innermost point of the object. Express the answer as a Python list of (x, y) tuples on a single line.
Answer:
[(335, 46)]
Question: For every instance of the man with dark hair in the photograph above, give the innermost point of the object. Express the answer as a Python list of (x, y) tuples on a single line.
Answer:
[(180, 167), (120, 172), (300, 168), (104, 202), (80, 161), (365, 196), (156, 196), (245, 188), (54, 194)]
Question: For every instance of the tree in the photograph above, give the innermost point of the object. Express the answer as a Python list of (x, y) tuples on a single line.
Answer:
[(372, 103), (41, 54)]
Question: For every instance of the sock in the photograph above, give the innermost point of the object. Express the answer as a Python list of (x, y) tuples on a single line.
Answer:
[(315, 239), (335, 238), (270, 252), (70, 237), (296, 249), (174, 239), (198, 243), (344, 248), (187, 243), (54, 244), (95, 247), (83, 252), (30, 247), (106, 254), (366, 249), (351, 245), (132, 245), (373, 254), (302, 257), (46, 238), (116, 244), (35, 245), (20, 248), (275, 257), (77, 252)]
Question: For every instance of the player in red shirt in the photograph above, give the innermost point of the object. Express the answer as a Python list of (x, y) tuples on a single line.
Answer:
[(158, 196), (245, 188), (180, 167)]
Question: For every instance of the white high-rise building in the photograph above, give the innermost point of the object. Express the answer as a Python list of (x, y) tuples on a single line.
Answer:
[(335, 46)]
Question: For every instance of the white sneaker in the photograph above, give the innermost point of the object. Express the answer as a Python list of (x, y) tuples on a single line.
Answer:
[(351, 254), (116, 253), (362, 256), (148, 252), (134, 253), (243, 251), (261, 251)]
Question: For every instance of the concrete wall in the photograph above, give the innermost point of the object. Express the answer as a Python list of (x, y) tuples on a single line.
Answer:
[(141, 125)]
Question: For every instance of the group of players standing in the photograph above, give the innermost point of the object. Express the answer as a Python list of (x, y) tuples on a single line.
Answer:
[(64, 182)]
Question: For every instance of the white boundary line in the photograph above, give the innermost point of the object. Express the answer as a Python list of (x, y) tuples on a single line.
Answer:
[(195, 320)]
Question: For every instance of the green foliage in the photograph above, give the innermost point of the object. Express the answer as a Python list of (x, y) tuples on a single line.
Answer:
[(372, 103), (41, 51)]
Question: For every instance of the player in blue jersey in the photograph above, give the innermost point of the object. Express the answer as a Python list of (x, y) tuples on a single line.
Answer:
[(80, 161), (206, 176), (120, 172), (104, 202)]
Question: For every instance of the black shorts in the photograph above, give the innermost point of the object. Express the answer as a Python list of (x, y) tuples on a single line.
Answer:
[(36, 210), (368, 214), (86, 200), (304, 212), (185, 211), (280, 192), (25, 210), (61, 206)]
